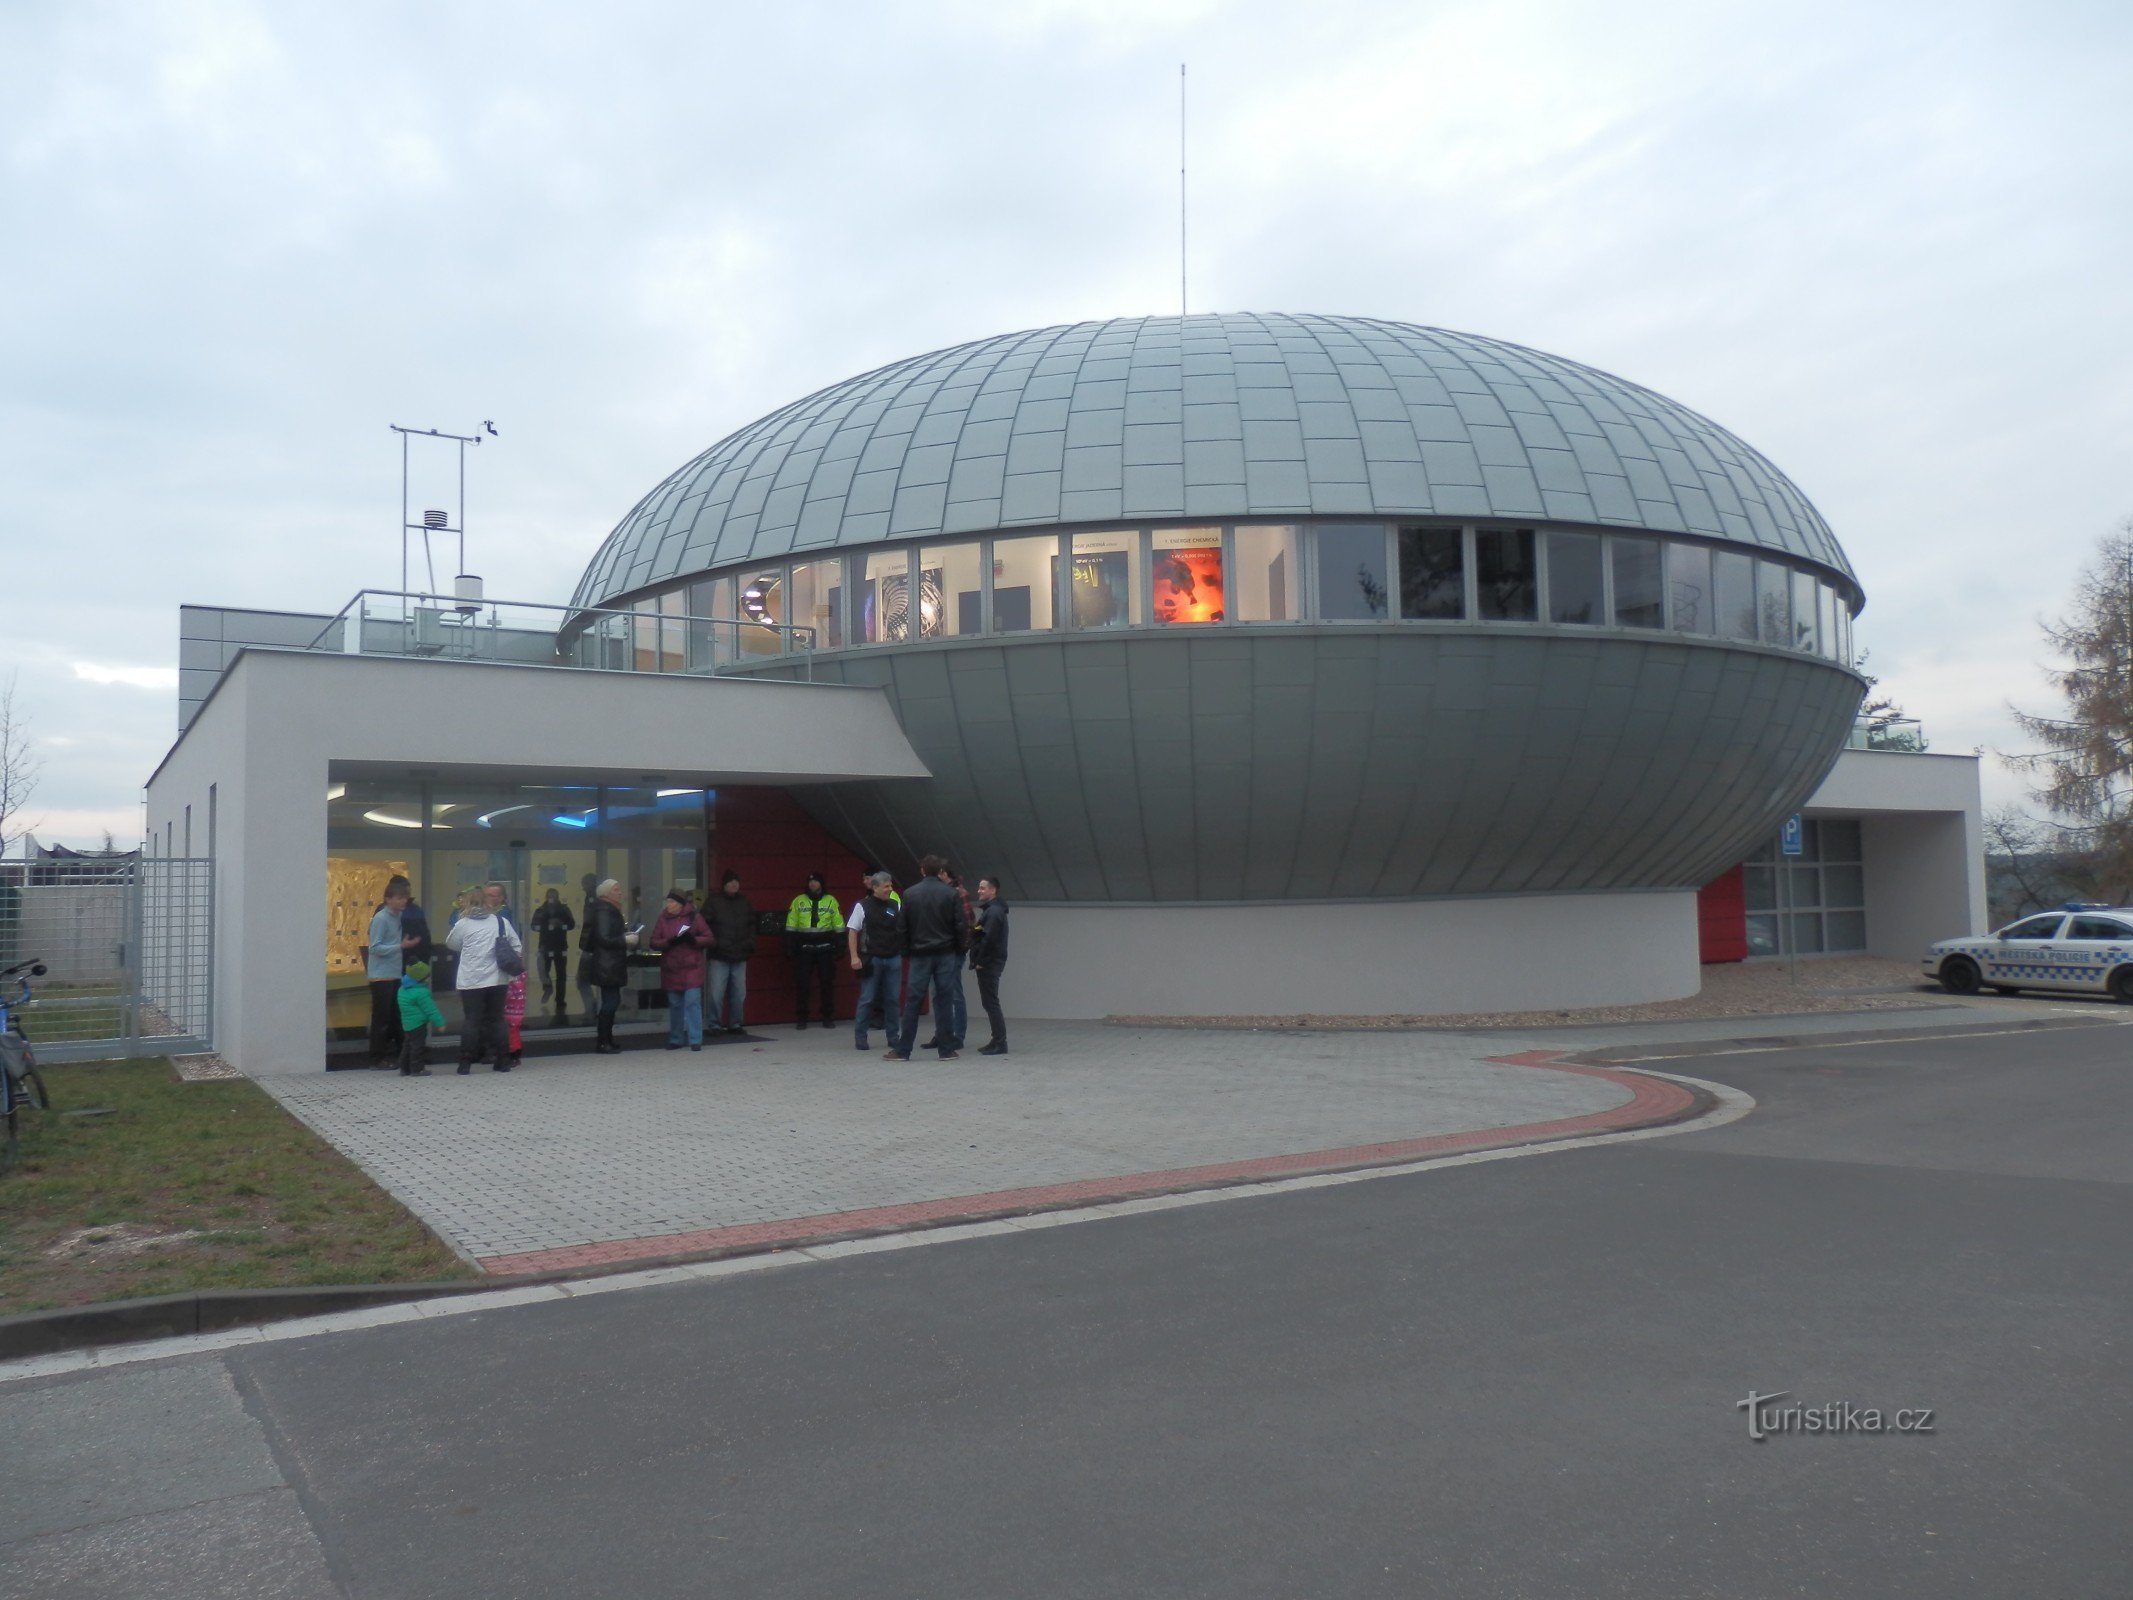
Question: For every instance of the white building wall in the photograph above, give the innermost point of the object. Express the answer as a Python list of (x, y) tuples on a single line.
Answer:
[(1922, 829), (1413, 957)]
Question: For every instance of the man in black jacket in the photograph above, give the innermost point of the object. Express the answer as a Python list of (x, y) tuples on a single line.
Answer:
[(934, 939), (554, 923), (732, 918), (988, 958)]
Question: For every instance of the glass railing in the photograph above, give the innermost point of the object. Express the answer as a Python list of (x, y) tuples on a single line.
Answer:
[(1904, 735), (644, 638)]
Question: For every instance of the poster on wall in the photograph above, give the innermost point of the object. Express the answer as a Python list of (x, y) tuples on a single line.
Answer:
[(1188, 584), (1102, 584)]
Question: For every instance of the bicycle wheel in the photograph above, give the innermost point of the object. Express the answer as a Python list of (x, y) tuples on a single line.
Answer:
[(33, 1089)]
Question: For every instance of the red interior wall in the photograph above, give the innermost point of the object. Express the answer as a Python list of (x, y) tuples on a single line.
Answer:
[(1722, 918), (764, 836)]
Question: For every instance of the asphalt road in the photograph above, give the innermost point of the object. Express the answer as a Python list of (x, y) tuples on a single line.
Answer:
[(1517, 1378)]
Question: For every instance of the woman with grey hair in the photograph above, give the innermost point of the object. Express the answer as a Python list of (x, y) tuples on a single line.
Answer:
[(490, 954), (605, 944)]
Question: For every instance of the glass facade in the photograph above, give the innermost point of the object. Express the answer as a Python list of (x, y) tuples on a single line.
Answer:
[(1216, 574), (448, 835), (1813, 903)]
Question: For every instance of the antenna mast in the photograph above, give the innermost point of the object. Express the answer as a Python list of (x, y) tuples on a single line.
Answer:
[(1181, 190)]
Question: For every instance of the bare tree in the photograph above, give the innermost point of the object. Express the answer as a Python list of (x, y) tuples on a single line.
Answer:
[(20, 766), (2084, 770)]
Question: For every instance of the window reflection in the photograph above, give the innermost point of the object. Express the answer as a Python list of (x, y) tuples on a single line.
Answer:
[(816, 589), (1352, 582), (1638, 586), (1269, 577), (1805, 634), (1773, 602), (1733, 583), (762, 603), (1022, 583), (1574, 591), (1432, 574), (1503, 574), (1688, 583), (1185, 576)]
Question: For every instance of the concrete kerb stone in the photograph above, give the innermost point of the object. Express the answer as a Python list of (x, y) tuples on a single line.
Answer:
[(1636, 1055)]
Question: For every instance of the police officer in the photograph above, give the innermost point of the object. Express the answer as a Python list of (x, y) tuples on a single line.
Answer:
[(814, 927)]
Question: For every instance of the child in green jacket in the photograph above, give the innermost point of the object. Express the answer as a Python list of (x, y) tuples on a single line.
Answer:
[(418, 1014)]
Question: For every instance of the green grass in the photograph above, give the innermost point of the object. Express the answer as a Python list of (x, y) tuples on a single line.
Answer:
[(269, 1203)]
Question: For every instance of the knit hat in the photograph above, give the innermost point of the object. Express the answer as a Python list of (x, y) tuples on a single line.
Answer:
[(419, 971)]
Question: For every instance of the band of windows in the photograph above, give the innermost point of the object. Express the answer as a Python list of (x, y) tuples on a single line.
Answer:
[(1365, 572)]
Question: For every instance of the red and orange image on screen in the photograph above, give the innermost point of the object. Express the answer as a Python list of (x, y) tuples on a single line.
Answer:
[(1188, 584)]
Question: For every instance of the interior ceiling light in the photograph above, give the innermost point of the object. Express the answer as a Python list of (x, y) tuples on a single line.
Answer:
[(385, 819), (755, 598), (483, 820), (336, 791), (667, 794)]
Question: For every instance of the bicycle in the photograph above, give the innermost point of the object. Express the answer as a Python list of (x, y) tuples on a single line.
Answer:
[(21, 1084)]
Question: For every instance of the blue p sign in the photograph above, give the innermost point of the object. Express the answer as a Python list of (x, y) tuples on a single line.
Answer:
[(1792, 838)]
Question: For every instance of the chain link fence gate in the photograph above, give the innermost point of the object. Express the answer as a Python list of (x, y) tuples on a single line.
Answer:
[(128, 944)]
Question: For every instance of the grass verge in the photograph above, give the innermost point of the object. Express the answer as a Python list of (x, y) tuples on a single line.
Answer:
[(190, 1186)]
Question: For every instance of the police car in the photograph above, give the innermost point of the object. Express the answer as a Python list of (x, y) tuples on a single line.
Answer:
[(2084, 947)]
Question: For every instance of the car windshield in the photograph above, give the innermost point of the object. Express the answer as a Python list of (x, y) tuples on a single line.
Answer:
[(2031, 928)]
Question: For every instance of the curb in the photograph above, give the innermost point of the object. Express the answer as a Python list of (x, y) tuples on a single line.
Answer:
[(37, 1333), (1697, 1049)]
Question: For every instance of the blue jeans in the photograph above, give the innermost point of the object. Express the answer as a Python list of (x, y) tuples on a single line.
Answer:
[(952, 1011), (685, 1013), (878, 985), (943, 972), (729, 993)]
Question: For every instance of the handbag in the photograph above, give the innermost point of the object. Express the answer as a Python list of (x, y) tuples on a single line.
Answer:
[(510, 956)]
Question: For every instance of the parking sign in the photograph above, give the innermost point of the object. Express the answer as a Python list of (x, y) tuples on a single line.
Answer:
[(1792, 838)]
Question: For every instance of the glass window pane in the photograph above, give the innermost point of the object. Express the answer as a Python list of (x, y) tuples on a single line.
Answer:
[(1022, 584), (1759, 887), (1688, 580), (885, 598), (1574, 593), (1106, 579), (644, 647), (1807, 933), (1826, 619), (1844, 886), (1773, 603), (1269, 574), (762, 600), (673, 635), (817, 586), (1733, 584), (1844, 930), (701, 605), (1840, 839), (1352, 581), (1637, 589), (1185, 575), (1432, 574), (951, 594), (1804, 634), (1503, 574), (1806, 886), (1763, 935)]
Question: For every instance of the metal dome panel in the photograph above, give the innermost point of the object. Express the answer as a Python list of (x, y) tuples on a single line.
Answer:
[(1233, 415)]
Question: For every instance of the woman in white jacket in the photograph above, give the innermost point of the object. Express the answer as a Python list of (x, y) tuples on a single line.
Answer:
[(486, 946)]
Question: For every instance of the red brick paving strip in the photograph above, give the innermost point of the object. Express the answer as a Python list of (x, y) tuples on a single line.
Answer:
[(1652, 1101)]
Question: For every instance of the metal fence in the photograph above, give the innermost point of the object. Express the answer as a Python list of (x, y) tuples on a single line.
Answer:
[(128, 947)]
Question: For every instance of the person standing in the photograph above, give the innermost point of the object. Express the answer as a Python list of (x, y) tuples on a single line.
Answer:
[(934, 940), (603, 960), (588, 991), (418, 1014), (874, 943), (552, 924), (988, 959), (515, 990), (679, 936), (732, 918), (812, 922), (952, 1013), (381, 969), (485, 944)]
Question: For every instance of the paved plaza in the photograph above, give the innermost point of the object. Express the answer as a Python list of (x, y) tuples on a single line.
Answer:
[(576, 1150)]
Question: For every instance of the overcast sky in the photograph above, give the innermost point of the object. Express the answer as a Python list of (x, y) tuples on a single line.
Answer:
[(1888, 244)]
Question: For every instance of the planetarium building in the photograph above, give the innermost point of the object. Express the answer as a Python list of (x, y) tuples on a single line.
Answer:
[(1274, 664)]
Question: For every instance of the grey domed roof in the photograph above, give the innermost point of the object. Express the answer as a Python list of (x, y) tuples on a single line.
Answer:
[(1205, 416)]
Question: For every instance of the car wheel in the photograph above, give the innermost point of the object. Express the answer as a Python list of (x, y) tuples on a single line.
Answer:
[(1958, 975), (2121, 985)]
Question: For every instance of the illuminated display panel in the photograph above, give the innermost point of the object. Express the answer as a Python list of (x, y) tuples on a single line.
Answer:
[(1105, 580), (1185, 576)]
